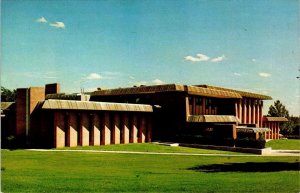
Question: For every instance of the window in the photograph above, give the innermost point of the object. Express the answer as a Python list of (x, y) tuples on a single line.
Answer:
[(208, 103), (190, 105), (190, 101), (198, 101)]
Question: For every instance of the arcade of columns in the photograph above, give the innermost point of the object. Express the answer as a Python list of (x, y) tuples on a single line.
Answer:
[(274, 127), (249, 111), (100, 128)]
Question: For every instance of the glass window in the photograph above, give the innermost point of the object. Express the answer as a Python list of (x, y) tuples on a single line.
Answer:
[(198, 101), (207, 103)]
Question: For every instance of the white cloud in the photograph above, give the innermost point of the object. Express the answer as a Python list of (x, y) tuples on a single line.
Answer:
[(264, 74), (41, 20), (94, 76), (202, 58), (131, 77), (237, 74), (218, 59), (58, 24), (140, 83), (197, 58), (253, 60), (157, 82)]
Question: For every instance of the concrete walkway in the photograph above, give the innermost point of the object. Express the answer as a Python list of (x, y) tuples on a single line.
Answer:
[(282, 152), (276, 153)]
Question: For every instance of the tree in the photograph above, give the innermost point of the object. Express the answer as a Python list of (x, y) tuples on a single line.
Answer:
[(8, 95), (278, 110)]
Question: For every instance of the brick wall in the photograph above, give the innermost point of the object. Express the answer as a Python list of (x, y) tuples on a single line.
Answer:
[(52, 88), (22, 97)]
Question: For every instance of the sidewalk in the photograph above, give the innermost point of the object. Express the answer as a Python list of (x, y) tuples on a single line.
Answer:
[(283, 152), (273, 153)]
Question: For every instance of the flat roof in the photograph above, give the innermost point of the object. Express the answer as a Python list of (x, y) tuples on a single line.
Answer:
[(212, 118), (242, 93), (168, 88), (90, 105), (252, 129), (201, 90), (276, 119)]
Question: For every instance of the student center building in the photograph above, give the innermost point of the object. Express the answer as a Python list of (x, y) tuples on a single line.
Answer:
[(47, 118)]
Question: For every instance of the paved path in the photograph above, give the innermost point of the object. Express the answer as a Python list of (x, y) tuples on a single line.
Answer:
[(277, 153), (282, 152)]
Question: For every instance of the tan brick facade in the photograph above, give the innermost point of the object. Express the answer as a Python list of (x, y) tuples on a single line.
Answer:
[(72, 130), (84, 130), (134, 129), (116, 129), (59, 133), (125, 129), (106, 130), (96, 134), (67, 121)]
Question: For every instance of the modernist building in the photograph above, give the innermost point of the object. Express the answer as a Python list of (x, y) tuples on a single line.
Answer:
[(46, 117), (199, 110)]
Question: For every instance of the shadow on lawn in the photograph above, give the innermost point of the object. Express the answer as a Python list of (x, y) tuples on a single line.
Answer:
[(249, 167)]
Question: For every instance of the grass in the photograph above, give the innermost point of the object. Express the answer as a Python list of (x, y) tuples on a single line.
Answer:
[(28, 171), (290, 144), (148, 147)]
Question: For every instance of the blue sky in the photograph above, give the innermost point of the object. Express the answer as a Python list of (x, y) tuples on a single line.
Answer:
[(249, 45)]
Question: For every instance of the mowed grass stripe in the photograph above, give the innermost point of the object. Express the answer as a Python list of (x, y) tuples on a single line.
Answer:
[(149, 147), (27, 171)]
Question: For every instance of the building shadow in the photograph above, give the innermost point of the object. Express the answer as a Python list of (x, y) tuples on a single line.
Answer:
[(249, 167)]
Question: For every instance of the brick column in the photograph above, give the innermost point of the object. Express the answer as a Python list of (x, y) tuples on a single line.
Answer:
[(193, 105), (248, 111), (187, 108), (149, 129), (134, 129), (266, 124), (275, 130), (96, 127), (125, 129), (272, 130), (116, 129), (277, 135), (84, 130), (278, 129), (253, 112), (258, 116), (105, 131), (59, 133), (142, 129), (234, 136), (236, 109), (240, 110), (72, 130), (244, 113), (205, 112), (22, 111)]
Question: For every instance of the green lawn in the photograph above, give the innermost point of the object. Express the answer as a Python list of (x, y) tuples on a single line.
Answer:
[(148, 147), (291, 144), (27, 171)]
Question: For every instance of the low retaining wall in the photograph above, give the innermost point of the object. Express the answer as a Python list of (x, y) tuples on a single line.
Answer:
[(265, 151)]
